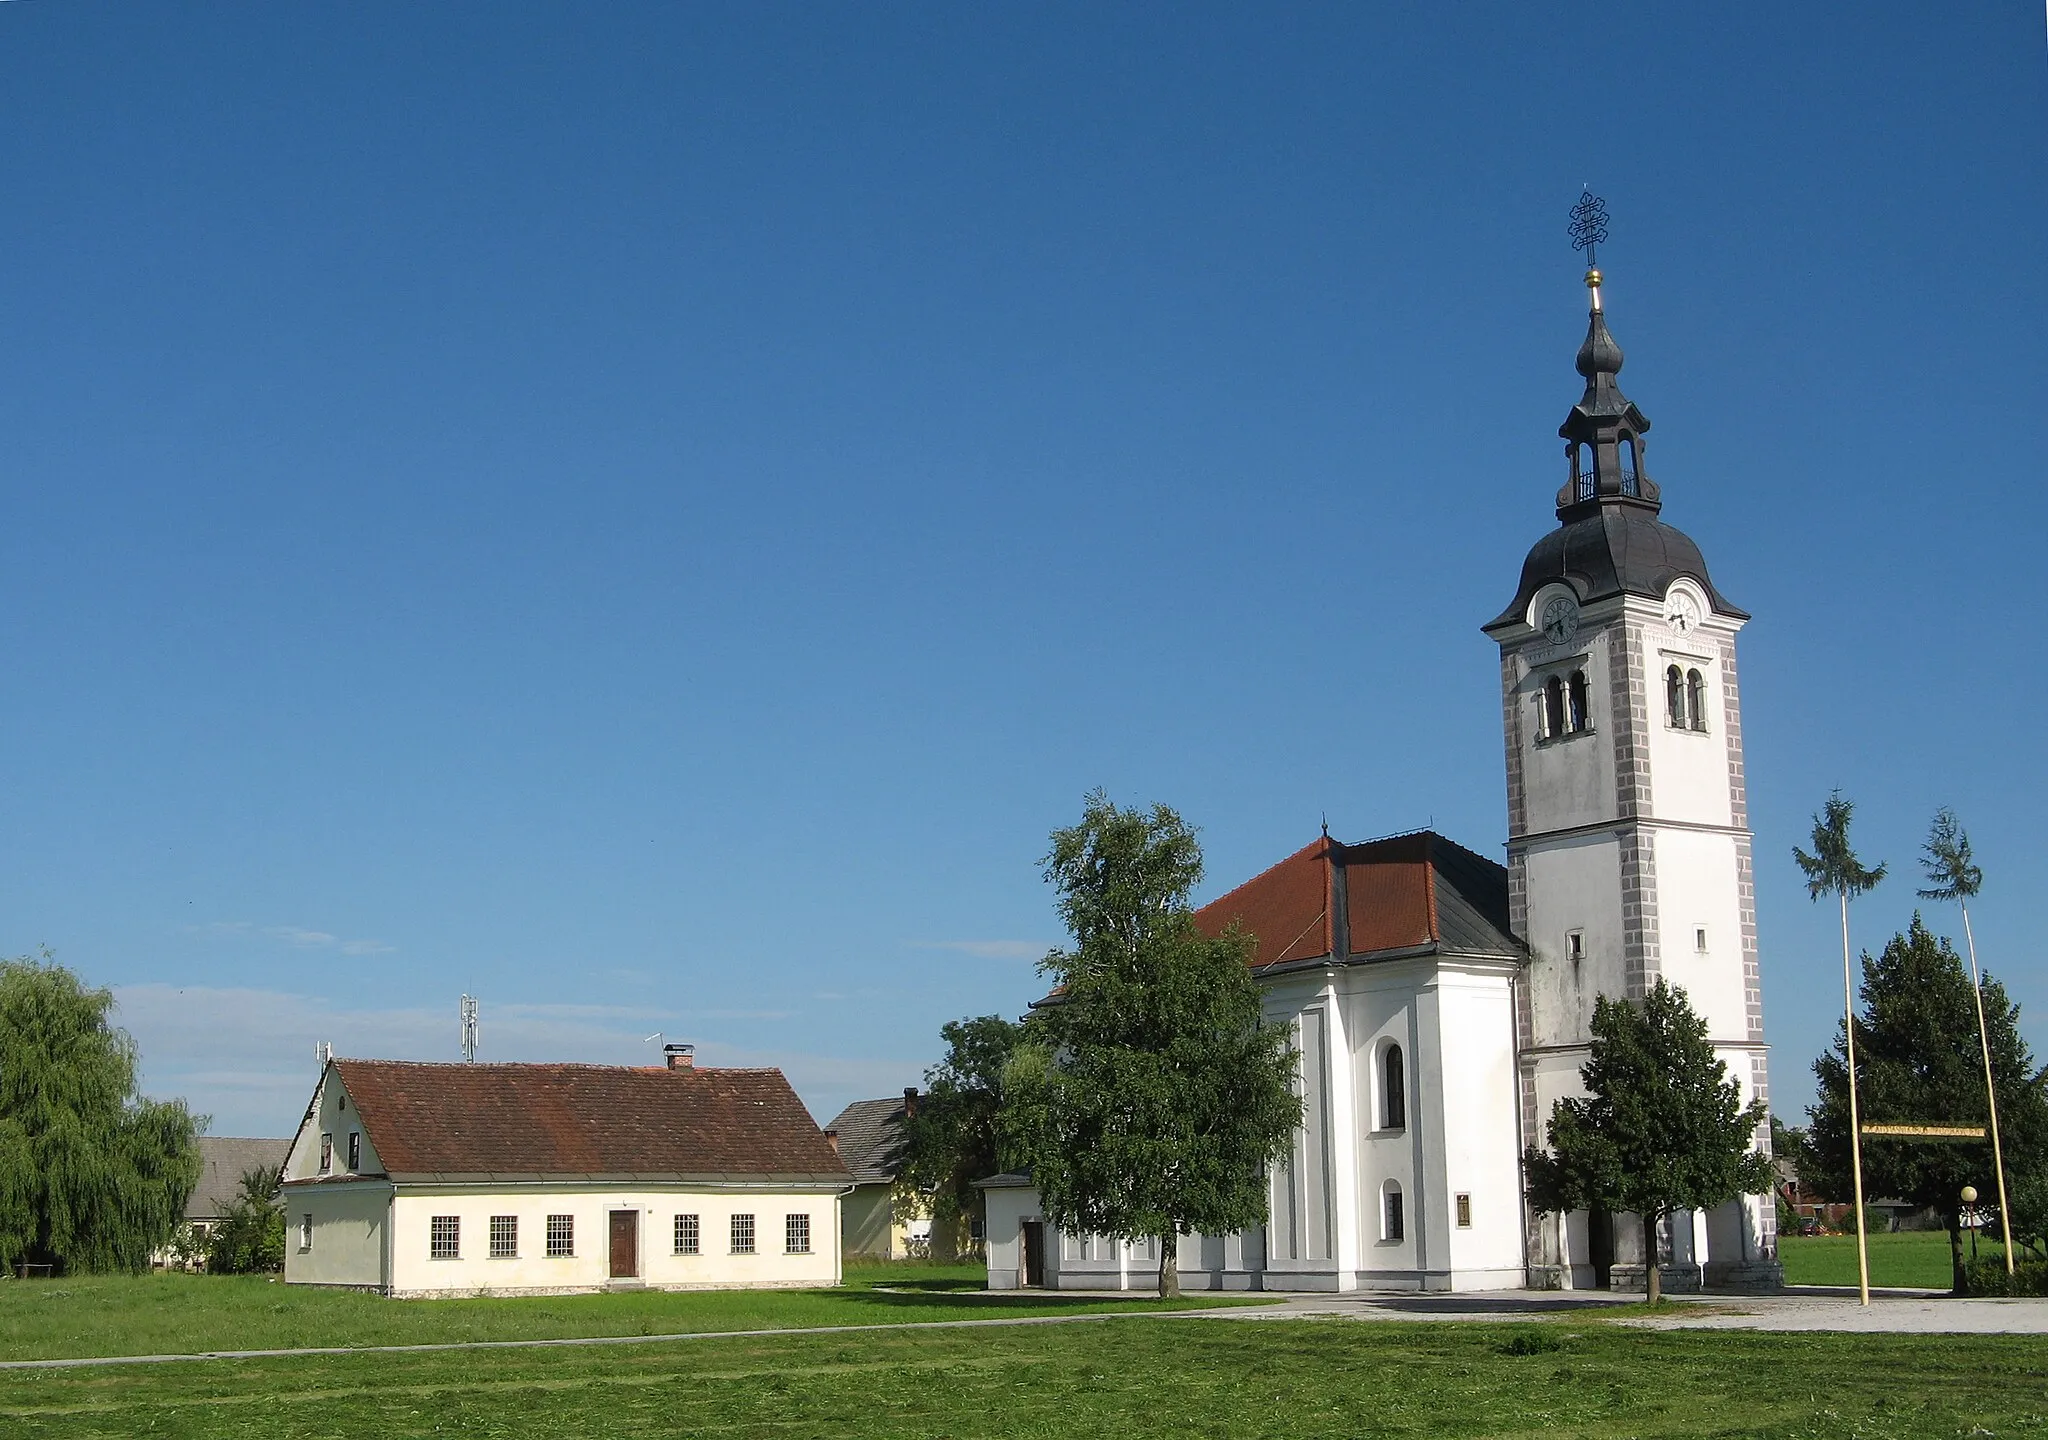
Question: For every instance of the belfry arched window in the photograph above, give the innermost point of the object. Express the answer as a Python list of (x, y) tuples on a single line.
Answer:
[(1393, 1090), (1674, 697), (1575, 701), (1631, 466), (1393, 1224), (1695, 699), (1553, 708), (1582, 472)]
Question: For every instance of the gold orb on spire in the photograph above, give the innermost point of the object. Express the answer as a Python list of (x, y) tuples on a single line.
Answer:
[(1592, 279)]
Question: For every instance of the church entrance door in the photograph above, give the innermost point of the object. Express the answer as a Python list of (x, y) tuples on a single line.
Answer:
[(1600, 1240)]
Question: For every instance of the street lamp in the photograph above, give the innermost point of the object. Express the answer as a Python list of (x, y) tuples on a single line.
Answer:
[(1969, 1198)]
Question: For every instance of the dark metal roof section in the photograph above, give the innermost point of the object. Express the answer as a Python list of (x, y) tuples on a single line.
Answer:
[(1609, 540), (871, 1139)]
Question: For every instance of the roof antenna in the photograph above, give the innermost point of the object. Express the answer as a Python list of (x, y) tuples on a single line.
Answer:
[(323, 1052), (469, 1029)]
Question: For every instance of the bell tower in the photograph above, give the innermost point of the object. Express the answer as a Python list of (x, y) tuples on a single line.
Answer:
[(1628, 826)]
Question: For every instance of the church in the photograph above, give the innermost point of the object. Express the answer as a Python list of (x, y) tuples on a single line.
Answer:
[(1441, 1001)]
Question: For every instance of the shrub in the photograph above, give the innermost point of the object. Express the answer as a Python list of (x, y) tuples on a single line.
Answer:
[(1986, 1276)]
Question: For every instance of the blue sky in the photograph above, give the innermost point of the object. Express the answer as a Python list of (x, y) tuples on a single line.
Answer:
[(649, 514)]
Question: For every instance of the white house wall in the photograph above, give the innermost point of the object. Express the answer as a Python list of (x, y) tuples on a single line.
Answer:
[(350, 1227), (414, 1271)]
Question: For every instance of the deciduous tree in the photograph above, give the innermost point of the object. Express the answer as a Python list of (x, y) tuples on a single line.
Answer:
[(1149, 1097), (1662, 1127), (92, 1175), (952, 1138)]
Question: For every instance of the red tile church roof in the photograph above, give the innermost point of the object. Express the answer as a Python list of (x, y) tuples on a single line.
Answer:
[(1404, 893)]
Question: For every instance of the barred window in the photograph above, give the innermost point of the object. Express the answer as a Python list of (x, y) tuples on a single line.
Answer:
[(444, 1237), (686, 1235), (796, 1234), (561, 1236), (742, 1234), (504, 1237)]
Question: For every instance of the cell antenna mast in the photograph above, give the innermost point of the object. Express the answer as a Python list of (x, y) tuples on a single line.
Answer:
[(469, 1029), (323, 1051), (1589, 227)]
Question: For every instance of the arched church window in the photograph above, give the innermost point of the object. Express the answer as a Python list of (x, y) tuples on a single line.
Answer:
[(1674, 697), (1582, 472), (1576, 698), (1393, 1090), (1393, 1224), (1553, 708), (1630, 468), (1696, 699)]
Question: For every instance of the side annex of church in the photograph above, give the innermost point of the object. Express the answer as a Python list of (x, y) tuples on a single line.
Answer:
[(1441, 1001)]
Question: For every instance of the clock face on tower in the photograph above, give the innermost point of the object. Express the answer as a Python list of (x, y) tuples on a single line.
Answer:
[(1681, 612), (1560, 618)]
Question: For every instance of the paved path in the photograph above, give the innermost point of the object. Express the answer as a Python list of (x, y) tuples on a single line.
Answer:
[(1903, 1312)]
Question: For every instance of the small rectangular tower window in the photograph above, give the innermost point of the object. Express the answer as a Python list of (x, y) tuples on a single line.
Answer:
[(1575, 945), (1464, 1211), (1699, 938)]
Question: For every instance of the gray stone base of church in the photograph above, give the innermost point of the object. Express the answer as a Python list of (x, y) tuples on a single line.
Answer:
[(1743, 1277)]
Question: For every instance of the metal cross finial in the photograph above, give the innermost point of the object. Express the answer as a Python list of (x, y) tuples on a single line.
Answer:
[(1589, 226)]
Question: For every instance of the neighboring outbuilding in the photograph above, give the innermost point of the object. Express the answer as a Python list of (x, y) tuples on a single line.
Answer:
[(421, 1179), (870, 1137), (223, 1161)]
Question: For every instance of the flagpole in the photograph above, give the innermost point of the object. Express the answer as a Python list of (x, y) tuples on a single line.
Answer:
[(1855, 1121)]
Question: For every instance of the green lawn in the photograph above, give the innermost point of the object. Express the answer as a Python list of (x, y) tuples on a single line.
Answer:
[(179, 1314), (1911, 1257), (1301, 1380)]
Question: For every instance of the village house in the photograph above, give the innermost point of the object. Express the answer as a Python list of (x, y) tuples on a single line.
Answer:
[(463, 1179), (869, 1135)]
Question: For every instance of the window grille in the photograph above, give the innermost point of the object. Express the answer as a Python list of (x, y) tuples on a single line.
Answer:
[(444, 1237), (504, 1237), (1395, 1230), (796, 1235), (1464, 1211), (742, 1234), (561, 1236), (688, 1236)]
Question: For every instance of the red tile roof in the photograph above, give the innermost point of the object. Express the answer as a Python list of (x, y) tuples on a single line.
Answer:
[(586, 1121), (1402, 893)]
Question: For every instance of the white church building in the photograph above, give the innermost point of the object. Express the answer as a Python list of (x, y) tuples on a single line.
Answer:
[(1440, 1001)]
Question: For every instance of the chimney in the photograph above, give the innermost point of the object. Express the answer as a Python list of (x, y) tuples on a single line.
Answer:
[(909, 1102), (832, 1139), (680, 1057)]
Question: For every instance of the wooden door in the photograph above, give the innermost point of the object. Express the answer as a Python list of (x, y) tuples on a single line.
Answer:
[(625, 1244), (1033, 1242)]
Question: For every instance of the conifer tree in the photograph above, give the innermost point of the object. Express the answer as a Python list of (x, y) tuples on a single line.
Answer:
[(1148, 1097), (1919, 1061), (92, 1175), (1662, 1127)]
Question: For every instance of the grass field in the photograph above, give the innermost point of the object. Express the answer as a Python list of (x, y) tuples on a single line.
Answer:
[(162, 1314), (1302, 1380), (1911, 1257)]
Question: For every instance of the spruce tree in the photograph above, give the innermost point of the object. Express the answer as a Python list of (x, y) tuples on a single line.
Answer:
[(92, 1175), (1919, 1060), (1148, 1097), (1662, 1127)]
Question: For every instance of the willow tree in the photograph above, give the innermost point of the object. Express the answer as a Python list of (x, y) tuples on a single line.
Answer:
[(92, 1175), (1833, 869), (1148, 1097)]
